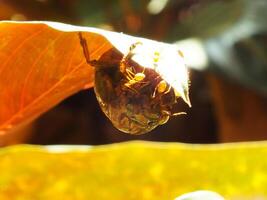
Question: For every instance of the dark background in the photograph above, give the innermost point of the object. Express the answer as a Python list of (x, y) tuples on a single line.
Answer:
[(228, 97)]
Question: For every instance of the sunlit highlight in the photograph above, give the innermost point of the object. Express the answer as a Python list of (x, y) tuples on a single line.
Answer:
[(156, 6)]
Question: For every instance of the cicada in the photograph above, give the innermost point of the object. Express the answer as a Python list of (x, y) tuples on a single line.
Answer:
[(135, 98)]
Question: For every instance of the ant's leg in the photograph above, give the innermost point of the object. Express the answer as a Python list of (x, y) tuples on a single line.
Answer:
[(167, 115), (130, 88), (84, 45), (130, 53), (155, 91), (179, 113), (126, 57), (156, 88), (129, 73), (168, 90)]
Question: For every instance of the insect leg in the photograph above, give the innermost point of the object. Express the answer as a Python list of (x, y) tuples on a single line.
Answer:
[(154, 93), (130, 74), (168, 90), (84, 45), (132, 47), (167, 115), (126, 57), (165, 118), (179, 113), (128, 86)]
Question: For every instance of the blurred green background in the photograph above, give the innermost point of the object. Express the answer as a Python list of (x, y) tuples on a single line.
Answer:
[(228, 89)]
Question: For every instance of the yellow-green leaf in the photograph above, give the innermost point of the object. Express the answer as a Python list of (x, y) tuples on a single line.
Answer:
[(136, 170)]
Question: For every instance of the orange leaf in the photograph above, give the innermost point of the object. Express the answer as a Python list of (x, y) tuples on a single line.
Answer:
[(41, 63), (39, 67)]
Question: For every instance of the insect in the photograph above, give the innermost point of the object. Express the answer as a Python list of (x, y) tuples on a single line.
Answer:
[(128, 71), (136, 99)]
